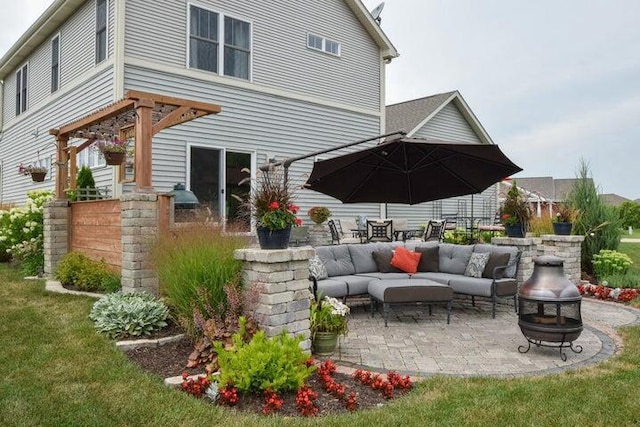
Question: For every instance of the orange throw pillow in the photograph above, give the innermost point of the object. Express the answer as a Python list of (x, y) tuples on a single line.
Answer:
[(406, 260)]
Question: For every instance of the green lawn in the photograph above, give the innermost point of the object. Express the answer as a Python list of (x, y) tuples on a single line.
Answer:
[(633, 250), (57, 372)]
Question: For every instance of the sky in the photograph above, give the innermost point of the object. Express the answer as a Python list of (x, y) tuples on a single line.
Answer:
[(552, 82)]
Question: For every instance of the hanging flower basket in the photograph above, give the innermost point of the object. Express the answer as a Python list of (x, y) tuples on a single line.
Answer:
[(114, 158), (38, 176)]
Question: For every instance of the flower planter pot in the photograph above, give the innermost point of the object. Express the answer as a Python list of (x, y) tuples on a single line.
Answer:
[(114, 158), (515, 230), (562, 228), (324, 343), (38, 176), (273, 239)]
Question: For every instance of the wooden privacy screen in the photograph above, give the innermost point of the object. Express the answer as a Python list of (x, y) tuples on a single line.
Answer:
[(95, 230)]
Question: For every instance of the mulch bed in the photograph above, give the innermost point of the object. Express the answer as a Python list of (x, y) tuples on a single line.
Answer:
[(170, 360)]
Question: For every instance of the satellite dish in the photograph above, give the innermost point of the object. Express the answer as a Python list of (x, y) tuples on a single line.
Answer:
[(375, 13)]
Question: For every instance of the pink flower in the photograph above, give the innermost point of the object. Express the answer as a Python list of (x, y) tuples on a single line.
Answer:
[(293, 208), (298, 222), (274, 205)]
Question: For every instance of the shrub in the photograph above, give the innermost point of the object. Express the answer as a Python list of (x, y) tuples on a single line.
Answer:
[(629, 213), (541, 225), (619, 280), (607, 262), (76, 269), (193, 265), (21, 231), (457, 236), (134, 314), (598, 222), (276, 363), (84, 180)]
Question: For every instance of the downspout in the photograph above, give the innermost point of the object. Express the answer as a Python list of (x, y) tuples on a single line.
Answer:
[(383, 115), (118, 76), (1, 135)]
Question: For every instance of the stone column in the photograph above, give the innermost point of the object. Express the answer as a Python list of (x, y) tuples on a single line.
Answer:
[(528, 248), (284, 296), (56, 233), (139, 225), (568, 248), (319, 235)]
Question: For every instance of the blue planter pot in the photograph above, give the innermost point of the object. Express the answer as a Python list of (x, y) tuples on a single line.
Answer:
[(562, 228), (516, 230), (273, 239)]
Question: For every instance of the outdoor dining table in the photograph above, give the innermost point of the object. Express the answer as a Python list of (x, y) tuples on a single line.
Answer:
[(405, 233)]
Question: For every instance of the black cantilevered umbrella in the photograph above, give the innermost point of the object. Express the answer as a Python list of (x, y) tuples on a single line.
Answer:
[(410, 171)]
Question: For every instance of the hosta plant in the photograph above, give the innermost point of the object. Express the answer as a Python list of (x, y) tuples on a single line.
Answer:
[(134, 314)]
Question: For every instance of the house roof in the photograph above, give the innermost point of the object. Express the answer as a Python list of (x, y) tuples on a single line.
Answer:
[(61, 10), (412, 115), (614, 199), (547, 187)]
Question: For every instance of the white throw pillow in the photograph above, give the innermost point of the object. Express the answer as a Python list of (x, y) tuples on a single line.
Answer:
[(476, 265), (317, 268)]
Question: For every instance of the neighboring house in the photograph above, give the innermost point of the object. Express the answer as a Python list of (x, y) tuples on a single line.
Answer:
[(446, 117), (291, 77), (614, 199)]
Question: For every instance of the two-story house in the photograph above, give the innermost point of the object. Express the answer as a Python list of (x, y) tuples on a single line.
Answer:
[(292, 77)]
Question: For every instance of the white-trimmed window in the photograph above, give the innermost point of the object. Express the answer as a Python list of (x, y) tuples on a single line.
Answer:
[(101, 30), (55, 63), (22, 79), (90, 157), (215, 39), (323, 44)]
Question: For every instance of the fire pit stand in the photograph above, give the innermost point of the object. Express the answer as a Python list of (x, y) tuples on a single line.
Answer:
[(549, 308)]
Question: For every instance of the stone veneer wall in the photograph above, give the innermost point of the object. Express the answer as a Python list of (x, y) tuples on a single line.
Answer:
[(319, 235), (565, 247), (139, 225), (284, 289), (56, 232), (568, 248)]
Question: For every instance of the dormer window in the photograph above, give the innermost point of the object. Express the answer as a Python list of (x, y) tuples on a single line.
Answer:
[(216, 39), (323, 44)]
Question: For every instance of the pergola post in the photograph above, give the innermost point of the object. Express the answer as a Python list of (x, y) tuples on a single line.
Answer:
[(144, 135), (63, 164)]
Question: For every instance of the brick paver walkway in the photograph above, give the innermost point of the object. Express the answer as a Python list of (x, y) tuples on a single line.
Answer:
[(473, 344)]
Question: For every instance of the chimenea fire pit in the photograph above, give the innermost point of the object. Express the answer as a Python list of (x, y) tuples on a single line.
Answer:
[(549, 307)]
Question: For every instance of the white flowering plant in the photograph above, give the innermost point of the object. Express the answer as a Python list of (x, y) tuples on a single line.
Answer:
[(21, 231), (328, 315)]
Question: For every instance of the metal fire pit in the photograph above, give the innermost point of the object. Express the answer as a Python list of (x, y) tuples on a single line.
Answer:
[(549, 307)]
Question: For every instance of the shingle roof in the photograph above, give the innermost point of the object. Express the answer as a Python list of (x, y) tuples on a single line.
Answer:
[(554, 190), (409, 114), (614, 199)]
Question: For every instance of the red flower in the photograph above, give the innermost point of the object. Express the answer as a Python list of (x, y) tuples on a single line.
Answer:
[(293, 208), (274, 205), (298, 222)]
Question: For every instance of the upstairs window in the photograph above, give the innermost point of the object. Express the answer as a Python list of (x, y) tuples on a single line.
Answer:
[(322, 44), (209, 30), (101, 30), (21, 89), (55, 64)]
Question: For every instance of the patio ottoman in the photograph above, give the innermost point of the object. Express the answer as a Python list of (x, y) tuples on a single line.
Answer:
[(403, 291)]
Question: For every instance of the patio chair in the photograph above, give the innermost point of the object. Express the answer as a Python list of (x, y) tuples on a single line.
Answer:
[(337, 235), (493, 228), (435, 230), (380, 231)]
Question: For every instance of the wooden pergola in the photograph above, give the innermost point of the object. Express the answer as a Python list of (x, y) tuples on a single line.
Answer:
[(140, 115)]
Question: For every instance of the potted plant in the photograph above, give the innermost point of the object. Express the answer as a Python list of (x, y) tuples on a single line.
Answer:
[(274, 210), (563, 220), (319, 214), (328, 320), (38, 173), (515, 213), (114, 151)]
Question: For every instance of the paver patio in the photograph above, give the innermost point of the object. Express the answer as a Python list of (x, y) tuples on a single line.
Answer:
[(473, 344)]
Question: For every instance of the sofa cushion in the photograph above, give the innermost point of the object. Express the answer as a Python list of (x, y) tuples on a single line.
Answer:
[(510, 272), (412, 245), (382, 258), (406, 260), (476, 265), (378, 275), (430, 258), (496, 259), (332, 288), (317, 268), (361, 257), (336, 260), (356, 285), (477, 286), (453, 258), (443, 278)]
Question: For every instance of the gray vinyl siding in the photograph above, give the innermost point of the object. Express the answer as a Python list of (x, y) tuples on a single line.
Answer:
[(77, 56), (20, 145), (450, 125), (280, 56), (251, 121)]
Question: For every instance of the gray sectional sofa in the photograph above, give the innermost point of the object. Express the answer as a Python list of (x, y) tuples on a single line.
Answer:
[(351, 268)]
